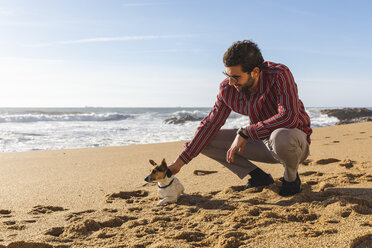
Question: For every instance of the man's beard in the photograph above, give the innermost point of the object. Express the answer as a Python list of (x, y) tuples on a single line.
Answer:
[(247, 85)]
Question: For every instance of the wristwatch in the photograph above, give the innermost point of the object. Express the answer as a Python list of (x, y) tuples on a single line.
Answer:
[(240, 132)]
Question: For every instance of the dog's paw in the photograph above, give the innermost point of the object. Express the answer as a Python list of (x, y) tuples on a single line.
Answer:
[(163, 202), (167, 201)]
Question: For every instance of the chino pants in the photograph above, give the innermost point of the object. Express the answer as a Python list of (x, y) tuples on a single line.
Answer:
[(286, 146)]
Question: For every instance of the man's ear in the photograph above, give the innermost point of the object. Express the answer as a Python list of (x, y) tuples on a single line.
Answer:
[(256, 71), (152, 162)]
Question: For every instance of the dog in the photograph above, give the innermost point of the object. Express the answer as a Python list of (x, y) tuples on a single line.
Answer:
[(170, 188)]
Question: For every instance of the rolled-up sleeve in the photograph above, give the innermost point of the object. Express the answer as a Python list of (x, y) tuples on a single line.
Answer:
[(208, 127)]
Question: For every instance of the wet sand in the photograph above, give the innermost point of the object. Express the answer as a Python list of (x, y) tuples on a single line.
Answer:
[(97, 198)]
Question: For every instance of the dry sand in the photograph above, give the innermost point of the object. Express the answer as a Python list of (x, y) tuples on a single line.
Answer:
[(97, 198)]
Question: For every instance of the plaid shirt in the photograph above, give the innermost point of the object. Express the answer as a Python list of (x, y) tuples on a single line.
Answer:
[(275, 104)]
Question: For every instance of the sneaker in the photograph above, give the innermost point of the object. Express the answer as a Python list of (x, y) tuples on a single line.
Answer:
[(253, 182), (290, 188)]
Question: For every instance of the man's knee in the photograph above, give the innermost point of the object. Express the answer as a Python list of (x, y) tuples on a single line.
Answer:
[(287, 144), (283, 141)]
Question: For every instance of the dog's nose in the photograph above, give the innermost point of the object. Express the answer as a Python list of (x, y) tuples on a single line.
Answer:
[(147, 179)]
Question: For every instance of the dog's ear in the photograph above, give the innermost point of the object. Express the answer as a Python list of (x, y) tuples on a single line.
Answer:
[(152, 162), (163, 163)]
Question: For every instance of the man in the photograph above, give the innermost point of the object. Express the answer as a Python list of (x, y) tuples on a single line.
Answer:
[(279, 127)]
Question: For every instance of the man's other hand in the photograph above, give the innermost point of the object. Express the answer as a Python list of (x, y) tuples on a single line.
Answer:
[(238, 145)]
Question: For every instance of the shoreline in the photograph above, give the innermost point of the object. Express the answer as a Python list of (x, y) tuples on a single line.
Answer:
[(54, 129), (166, 142), (66, 188)]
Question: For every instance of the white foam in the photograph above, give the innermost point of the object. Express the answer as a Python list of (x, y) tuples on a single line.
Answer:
[(25, 130)]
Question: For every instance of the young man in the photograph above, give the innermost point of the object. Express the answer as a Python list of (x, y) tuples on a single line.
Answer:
[(279, 127)]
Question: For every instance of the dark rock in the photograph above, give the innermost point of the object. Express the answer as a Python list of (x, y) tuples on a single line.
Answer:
[(347, 113), (355, 120), (181, 120)]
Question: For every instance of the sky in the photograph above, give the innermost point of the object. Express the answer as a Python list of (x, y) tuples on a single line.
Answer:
[(168, 53)]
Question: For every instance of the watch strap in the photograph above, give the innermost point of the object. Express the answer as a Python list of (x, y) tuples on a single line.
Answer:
[(241, 133)]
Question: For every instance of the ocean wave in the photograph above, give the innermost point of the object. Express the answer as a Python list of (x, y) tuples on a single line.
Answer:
[(53, 129), (185, 113), (321, 120), (37, 117)]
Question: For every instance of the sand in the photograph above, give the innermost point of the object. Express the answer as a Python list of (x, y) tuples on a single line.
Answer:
[(97, 198)]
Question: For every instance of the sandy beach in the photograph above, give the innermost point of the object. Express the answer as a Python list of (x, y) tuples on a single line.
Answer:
[(97, 197)]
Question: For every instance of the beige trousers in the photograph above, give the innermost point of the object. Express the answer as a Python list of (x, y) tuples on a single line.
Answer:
[(286, 146)]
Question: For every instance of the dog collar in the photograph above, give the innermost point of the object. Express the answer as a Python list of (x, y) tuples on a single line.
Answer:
[(163, 187)]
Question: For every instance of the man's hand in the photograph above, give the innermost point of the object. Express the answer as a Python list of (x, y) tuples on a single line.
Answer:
[(176, 166), (238, 145)]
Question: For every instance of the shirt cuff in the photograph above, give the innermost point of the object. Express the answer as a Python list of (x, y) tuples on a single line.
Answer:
[(185, 157)]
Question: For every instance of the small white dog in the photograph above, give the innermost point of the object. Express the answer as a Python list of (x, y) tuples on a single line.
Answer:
[(170, 188)]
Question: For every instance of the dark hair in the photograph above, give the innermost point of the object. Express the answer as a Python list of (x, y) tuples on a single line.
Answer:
[(245, 53)]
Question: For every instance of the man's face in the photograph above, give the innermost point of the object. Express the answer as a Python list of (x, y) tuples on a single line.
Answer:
[(242, 81)]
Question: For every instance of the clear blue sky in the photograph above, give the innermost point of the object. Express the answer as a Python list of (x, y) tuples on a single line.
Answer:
[(164, 53)]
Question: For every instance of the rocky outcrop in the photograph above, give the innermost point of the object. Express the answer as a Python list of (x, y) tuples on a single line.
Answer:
[(349, 115), (355, 120), (181, 120)]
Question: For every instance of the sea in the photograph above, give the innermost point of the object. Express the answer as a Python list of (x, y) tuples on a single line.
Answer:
[(32, 129)]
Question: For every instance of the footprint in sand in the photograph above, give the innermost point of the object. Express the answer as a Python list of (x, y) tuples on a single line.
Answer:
[(324, 185), (110, 210), (203, 172), (364, 241), (9, 223), (127, 195), (351, 178), (317, 233), (78, 215), (190, 236), (134, 209), (40, 209), (309, 173), (307, 162), (255, 201), (13, 225), (29, 221), (359, 204), (233, 189), (28, 245), (347, 163), (5, 213), (333, 221), (327, 161), (87, 226), (55, 231)]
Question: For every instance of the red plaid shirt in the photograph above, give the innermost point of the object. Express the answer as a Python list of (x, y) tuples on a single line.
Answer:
[(274, 105)]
